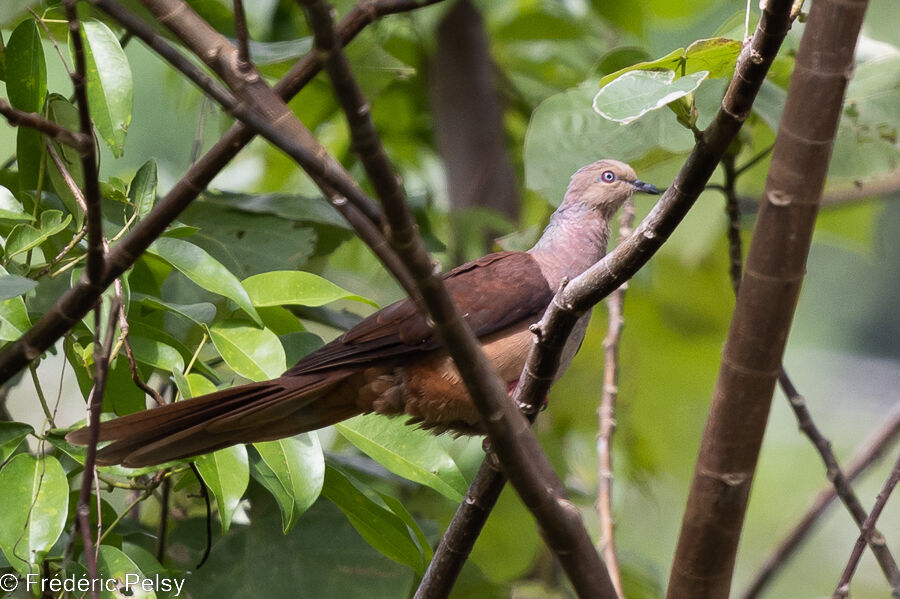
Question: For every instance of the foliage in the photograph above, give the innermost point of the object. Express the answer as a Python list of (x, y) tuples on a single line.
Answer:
[(261, 270)]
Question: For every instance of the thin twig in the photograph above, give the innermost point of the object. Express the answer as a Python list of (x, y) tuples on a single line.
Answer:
[(93, 216), (868, 534), (606, 414), (95, 403), (243, 36), (40, 393), (52, 130), (867, 454)]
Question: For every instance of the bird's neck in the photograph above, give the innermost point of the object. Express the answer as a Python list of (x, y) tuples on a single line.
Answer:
[(574, 240)]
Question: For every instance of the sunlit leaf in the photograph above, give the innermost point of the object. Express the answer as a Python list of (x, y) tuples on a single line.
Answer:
[(293, 469), (35, 497), (407, 451), (204, 270), (294, 287), (636, 93), (226, 473), (109, 83), (380, 527), (253, 353)]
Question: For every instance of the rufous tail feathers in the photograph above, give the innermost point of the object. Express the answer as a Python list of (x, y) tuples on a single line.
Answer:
[(250, 413)]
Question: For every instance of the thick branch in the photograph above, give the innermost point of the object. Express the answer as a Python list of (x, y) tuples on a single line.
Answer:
[(751, 361), (77, 301)]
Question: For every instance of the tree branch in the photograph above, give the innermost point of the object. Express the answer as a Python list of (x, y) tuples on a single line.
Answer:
[(865, 456), (58, 133), (631, 254), (606, 415), (867, 533), (522, 458), (77, 301), (751, 362), (93, 217)]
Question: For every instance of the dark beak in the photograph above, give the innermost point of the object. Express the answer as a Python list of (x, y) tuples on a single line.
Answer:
[(645, 187)]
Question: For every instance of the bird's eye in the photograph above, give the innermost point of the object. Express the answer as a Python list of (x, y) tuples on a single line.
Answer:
[(607, 176)]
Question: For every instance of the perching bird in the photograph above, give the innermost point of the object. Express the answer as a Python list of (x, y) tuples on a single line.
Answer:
[(391, 363)]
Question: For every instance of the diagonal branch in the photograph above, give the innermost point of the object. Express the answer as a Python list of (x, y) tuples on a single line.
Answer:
[(523, 460), (77, 301), (867, 532), (866, 455), (616, 268)]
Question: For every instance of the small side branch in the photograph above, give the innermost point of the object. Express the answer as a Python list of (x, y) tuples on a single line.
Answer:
[(58, 133), (868, 534), (93, 219), (865, 456), (606, 415)]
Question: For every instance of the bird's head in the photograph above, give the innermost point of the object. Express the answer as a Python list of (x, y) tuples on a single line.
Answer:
[(605, 185)]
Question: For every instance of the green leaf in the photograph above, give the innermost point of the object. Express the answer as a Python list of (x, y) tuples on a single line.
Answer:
[(294, 287), (156, 354), (204, 270), (13, 317), (636, 93), (409, 452), (396, 506), (248, 244), (287, 206), (142, 191), (200, 313), (192, 384), (717, 55), (293, 469), (112, 563), (63, 112), (226, 473), (26, 69), (11, 436), (565, 134), (11, 208), (380, 527), (25, 237), (35, 497), (109, 83), (15, 286), (253, 353)]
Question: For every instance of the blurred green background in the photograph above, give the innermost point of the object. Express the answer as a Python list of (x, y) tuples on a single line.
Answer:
[(844, 350)]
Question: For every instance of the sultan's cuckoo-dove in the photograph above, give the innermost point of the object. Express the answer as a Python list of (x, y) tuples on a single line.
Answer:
[(391, 362)]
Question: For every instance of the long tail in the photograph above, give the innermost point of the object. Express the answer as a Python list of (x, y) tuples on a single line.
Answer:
[(249, 413)]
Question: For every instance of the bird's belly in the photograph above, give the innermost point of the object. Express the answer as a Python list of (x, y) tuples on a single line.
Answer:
[(432, 393)]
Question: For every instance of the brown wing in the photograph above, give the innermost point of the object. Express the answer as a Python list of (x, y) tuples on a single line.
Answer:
[(491, 293)]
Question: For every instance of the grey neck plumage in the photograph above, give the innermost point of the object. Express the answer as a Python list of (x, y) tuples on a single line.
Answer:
[(574, 240)]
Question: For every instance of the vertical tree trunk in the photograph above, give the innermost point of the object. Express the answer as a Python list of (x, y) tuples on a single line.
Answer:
[(468, 118), (751, 361)]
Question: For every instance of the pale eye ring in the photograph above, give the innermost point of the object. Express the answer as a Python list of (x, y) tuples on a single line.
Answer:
[(607, 176)]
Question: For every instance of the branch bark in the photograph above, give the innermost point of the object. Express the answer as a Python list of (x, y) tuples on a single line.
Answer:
[(751, 362)]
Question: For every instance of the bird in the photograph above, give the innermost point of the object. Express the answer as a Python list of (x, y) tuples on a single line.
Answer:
[(392, 363)]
